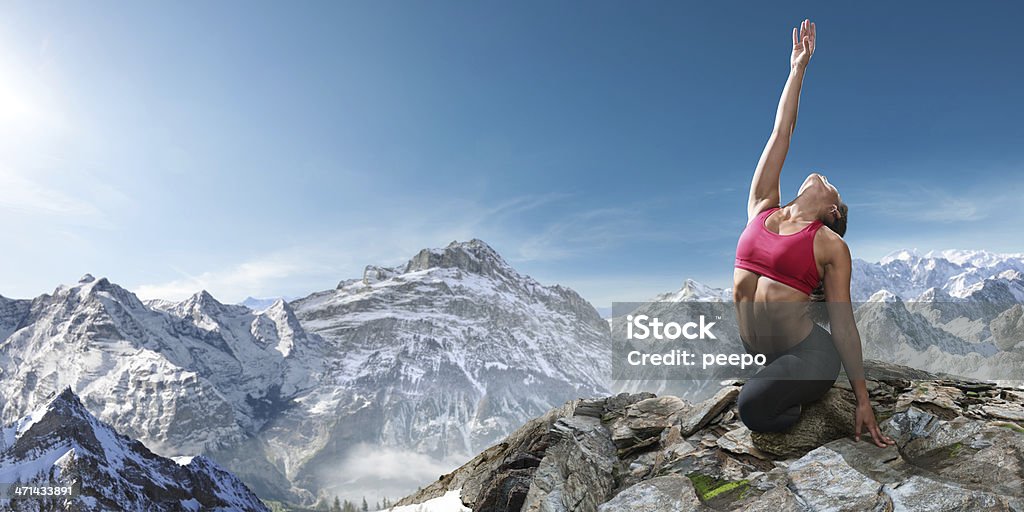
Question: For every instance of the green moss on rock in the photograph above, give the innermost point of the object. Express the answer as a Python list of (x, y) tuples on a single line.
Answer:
[(709, 487), (954, 449)]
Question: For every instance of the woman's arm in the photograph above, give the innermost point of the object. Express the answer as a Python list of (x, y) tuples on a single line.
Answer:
[(847, 338), (764, 188)]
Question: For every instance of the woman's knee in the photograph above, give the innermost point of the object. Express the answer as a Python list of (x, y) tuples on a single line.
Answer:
[(762, 419), (756, 408)]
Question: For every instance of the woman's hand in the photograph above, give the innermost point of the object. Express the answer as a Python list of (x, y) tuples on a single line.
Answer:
[(803, 45), (865, 418)]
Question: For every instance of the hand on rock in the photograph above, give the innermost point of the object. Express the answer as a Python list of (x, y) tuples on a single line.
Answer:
[(865, 418)]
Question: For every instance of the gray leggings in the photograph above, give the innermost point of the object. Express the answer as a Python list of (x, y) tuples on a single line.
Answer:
[(771, 400)]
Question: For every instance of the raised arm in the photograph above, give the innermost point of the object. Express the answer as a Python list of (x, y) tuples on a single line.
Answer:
[(764, 188), (846, 337)]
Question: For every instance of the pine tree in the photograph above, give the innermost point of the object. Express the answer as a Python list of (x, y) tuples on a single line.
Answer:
[(336, 507), (366, 507)]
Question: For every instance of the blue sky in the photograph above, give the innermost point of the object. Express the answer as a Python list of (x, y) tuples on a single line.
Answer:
[(275, 149)]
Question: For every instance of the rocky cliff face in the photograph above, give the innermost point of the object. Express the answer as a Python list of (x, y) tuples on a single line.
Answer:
[(62, 444), (960, 446), (443, 356)]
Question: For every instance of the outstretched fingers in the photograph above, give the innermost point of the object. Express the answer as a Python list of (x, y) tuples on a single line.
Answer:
[(882, 440)]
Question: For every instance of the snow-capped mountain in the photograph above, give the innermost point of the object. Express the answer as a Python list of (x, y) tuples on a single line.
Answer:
[(692, 291), (439, 356), (442, 355), (195, 377), (62, 444), (259, 304), (959, 274)]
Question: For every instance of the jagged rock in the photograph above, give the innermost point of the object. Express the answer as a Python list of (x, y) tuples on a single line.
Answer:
[(919, 494), (777, 499), (826, 482), (893, 374), (766, 481), (494, 477), (693, 458), (679, 450), (738, 441), (699, 416), (577, 472), (961, 464), (643, 422), (615, 406), (669, 493), (822, 421), (937, 399), (1005, 412)]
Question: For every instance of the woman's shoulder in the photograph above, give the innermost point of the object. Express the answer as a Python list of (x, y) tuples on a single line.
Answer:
[(829, 246)]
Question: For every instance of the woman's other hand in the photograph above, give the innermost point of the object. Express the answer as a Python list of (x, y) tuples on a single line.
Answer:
[(865, 419)]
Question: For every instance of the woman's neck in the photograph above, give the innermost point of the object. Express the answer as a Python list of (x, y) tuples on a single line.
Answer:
[(800, 209)]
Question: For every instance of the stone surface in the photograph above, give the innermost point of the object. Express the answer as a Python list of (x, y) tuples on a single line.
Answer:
[(778, 499), (919, 494), (699, 416), (738, 441), (820, 422), (826, 482), (957, 449), (938, 399), (643, 422), (1004, 412), (669, 493), (578, 471)]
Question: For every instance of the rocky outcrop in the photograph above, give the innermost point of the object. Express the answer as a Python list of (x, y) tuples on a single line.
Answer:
[(960, 446), (826, 420)]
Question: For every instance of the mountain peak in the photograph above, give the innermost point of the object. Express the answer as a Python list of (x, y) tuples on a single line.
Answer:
[(203, 298), (68, 398), (87, 278), (884, 296), (472, 256), (900, 255), (67, 394)]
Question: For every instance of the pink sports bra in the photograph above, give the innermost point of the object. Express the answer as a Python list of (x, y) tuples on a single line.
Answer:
[(788, 259)]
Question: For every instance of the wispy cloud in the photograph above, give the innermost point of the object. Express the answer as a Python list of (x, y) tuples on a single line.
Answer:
[(935, 204), (981, 215), (579, 233), (328, 257), (250, 278), (21, 194)]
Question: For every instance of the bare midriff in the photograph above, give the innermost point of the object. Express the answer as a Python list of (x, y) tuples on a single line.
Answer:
[(773, 317)]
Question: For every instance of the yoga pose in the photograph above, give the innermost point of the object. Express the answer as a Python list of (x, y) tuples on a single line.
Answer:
[(787, 259)]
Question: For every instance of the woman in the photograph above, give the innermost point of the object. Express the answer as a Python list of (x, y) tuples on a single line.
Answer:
[(787, 258)]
